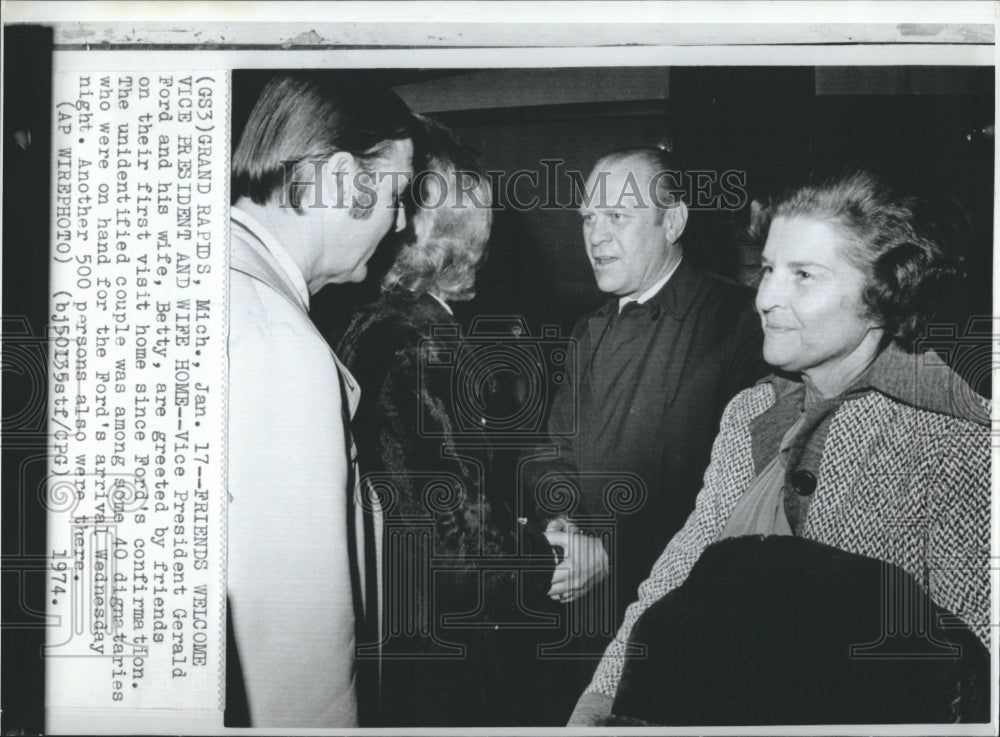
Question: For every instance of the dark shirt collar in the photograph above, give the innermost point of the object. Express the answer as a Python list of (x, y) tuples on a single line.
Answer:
[(923, 381), (674, 298)]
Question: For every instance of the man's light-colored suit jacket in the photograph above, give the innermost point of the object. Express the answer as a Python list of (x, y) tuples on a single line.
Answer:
[(295, 532)]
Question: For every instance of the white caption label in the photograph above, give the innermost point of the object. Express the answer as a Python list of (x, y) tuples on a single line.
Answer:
[(137, 361)]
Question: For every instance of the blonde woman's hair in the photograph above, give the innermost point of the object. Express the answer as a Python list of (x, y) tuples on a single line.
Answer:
[(452, 216)]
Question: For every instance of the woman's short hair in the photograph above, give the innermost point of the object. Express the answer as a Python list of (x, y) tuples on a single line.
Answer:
[(905, 269), (450, 226), (302, 117)]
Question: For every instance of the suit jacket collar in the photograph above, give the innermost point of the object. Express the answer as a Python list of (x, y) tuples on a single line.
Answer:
[(248, 256), (674, 299), (251, 231)]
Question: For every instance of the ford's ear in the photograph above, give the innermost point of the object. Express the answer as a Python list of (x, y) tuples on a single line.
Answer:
[(674, 221)]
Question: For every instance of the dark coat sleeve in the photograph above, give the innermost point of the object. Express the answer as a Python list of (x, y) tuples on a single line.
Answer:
[(432, 467), (435, 471), (551, 483)]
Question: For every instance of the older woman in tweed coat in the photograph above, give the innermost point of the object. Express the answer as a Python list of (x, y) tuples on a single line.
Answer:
[(854, 442)]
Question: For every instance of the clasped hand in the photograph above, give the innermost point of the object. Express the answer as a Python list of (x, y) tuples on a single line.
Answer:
[(584, 564)]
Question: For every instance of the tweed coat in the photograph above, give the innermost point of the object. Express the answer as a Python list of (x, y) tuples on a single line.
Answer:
[(897, 482)]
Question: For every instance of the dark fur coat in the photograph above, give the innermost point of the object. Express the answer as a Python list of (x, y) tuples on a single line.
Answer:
[(784, 630), (451, 655)]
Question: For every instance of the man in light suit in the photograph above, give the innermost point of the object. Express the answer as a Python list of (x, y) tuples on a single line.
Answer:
[(316, 181)]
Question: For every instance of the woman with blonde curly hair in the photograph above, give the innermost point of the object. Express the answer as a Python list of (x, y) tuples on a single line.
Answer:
[(449, 654)]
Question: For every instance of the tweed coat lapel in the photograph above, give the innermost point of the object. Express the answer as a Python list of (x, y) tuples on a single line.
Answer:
[(856, 470), (862, 443), (769, 427), (740, 471), (845, 500), (853, 446)]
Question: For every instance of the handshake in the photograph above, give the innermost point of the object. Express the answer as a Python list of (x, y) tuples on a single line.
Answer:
[(581, 561)]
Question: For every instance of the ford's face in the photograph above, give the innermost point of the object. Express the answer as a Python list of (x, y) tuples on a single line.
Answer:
[(625, 233)]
